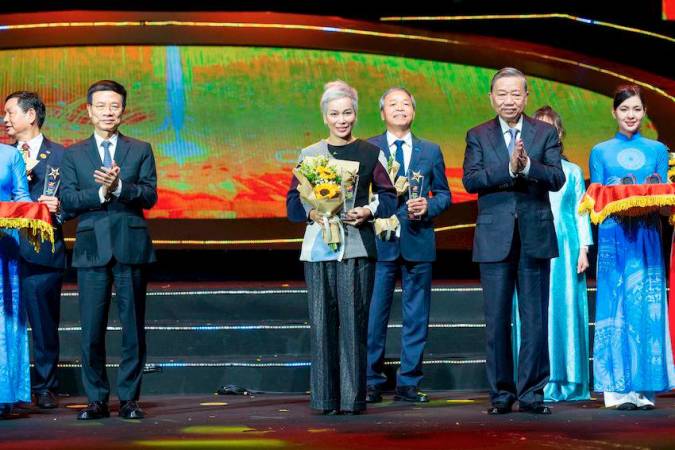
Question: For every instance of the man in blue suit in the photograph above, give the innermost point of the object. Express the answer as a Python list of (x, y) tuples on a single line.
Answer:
[(410, 251), (512, 162), (41, 272)]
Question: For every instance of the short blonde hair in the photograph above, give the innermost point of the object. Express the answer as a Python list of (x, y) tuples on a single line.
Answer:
[(335, 90)]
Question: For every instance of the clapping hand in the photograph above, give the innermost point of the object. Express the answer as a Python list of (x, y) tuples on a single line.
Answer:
[(108, 177), (518, 157)]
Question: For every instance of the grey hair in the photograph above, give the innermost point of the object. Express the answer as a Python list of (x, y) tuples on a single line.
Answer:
[(394, 89), (335, 90), (508, 72)]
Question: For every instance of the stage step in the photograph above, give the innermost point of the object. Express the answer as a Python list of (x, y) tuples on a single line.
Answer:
[(259, 338)]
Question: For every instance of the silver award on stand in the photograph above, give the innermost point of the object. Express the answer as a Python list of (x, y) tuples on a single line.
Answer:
[(415, 190), (52, 181)]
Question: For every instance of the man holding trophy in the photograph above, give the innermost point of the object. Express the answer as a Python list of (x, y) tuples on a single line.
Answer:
[(406, 243), (41, 272)]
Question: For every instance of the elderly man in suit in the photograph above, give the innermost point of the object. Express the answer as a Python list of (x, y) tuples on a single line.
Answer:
[(512, 162), (108, 180), (409, 251), (41, 272)]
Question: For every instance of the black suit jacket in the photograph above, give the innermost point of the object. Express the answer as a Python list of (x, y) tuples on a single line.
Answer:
[(50, 154), (117, 227), (502, 198)]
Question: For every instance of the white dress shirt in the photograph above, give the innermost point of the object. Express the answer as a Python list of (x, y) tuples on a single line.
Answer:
[(112, 148), (34, 145), (507, 140), (407, 148)]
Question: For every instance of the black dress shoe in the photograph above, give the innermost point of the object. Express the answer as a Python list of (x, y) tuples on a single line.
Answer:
[(46, 400), (350, 413), (94, 411), (131, 410), (330, 412), (498, 409), (410, 394), (374, 395), (535, 408)]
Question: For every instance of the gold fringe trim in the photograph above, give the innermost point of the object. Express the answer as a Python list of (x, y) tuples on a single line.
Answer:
[(624, 204), (36, 231)]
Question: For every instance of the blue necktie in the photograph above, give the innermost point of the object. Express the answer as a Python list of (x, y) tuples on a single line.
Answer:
[(107, 159), (399, 158), (512, 145)]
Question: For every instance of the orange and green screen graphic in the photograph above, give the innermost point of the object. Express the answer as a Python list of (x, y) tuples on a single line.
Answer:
[(227, 123)]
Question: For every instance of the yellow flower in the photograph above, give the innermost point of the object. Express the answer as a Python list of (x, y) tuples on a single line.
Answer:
[(325, 173), (326, 191)]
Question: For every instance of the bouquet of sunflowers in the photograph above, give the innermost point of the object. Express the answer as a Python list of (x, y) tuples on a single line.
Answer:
[(319, 179)]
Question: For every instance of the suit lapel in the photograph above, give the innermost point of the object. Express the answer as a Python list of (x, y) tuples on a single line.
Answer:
[(381, 141), (415, 156), (94, 155), (122, 149), (497, 139), (528, 133)]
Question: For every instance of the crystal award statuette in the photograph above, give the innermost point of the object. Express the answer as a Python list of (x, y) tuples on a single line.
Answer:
[(52, 181), (415, 185), (348, 185)]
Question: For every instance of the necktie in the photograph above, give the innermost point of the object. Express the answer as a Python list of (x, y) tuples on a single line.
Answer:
[(107, 159), (513, 132), (399, 158), (25, 152)]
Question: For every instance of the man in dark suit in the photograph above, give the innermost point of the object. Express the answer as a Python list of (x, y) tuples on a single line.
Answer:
[(41, 272), (512, 162), (108, 180), (410, 250)]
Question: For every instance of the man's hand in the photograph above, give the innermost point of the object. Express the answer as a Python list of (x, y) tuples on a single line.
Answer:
[(418, 206), (518, 157), (53, 203), (108, 177), (356, 216)]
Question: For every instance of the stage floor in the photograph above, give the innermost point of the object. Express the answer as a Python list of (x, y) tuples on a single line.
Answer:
[(451, 420)]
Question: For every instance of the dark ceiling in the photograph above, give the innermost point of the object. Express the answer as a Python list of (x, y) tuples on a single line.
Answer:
[(648, 53)]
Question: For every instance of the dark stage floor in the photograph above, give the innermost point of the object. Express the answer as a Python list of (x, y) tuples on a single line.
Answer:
[(451, 420)]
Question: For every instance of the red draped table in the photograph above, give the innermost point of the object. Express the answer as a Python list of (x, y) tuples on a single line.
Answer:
[(32, 219), (634, 200)]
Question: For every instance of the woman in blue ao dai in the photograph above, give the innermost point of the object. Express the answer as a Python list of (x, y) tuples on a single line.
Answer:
[(632, 356), (14, 358)]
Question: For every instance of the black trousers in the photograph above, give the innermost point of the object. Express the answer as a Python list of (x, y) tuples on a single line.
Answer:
[(41, 296), (339, 294), (95, 287), (530, 276)]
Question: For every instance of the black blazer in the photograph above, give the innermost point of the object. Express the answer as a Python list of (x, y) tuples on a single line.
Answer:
[(117, 227), (51, 154), (501, 198)]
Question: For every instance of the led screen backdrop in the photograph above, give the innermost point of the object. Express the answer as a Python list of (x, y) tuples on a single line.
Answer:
[(227, 123)]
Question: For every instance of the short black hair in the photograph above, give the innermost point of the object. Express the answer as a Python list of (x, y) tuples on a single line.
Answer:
[(626, 91), (107, 85), (28, 100)]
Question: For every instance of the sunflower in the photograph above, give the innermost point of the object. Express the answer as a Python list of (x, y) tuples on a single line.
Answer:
[(326, 191), (325, 173)]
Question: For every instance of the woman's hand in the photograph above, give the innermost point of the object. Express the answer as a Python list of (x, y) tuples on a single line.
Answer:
[(582, 263), (315, 216), (356, 216)]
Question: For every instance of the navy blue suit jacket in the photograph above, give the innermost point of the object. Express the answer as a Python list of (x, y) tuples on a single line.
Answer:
[(117, 227), (502, 198), (51, 154), (418, 240)]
